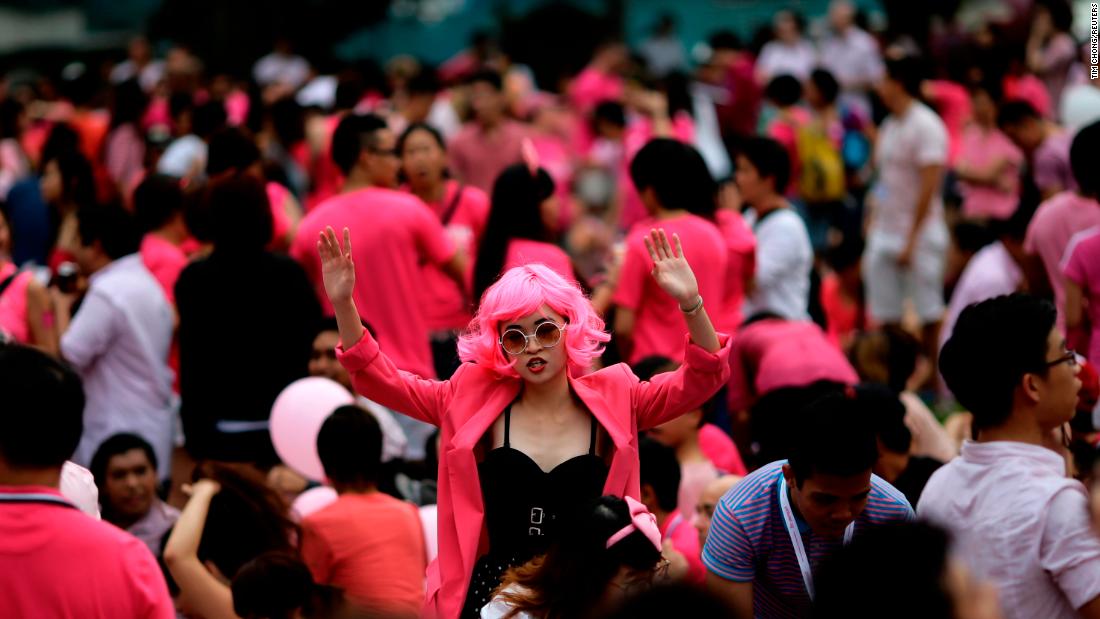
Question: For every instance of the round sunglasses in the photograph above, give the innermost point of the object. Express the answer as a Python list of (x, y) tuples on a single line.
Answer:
[(514, 341)]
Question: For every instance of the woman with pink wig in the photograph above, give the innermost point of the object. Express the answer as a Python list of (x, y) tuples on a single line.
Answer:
[(528, 432)]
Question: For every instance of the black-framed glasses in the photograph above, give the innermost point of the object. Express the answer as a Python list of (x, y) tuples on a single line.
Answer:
[(1070, 357), (547, 334)]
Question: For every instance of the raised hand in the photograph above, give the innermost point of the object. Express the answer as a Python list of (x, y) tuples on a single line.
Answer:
[(670, 269), (337, 267)]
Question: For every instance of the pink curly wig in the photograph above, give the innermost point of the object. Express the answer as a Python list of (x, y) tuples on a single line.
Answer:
[(522, 291)]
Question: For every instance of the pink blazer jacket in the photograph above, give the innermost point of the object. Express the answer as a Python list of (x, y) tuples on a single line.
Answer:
[(464, 408)]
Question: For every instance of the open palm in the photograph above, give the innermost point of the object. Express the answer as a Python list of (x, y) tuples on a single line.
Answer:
[(337, 267), (670, 269)]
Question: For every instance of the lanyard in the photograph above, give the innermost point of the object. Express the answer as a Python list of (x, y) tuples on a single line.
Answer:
[(796, 537), (675, 524), (34, 498)]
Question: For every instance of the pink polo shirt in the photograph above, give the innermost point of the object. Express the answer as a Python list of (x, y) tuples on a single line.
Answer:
[(740, 264), (592, 86), (774, 353), (58, 562), (165, 261), (477, 157), (446, 307), (392, 233), (982, 148), (1082, 266), (659, 325), (1049, 233), (526, 251)]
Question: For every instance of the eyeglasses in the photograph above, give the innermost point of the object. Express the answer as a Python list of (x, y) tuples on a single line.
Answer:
[(547, 334), (1069, 357)]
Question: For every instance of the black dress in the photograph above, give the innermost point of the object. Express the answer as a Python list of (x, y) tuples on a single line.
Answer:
[(524, 507)]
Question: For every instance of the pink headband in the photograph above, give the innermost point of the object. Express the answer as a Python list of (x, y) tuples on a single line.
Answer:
[(641, 520)]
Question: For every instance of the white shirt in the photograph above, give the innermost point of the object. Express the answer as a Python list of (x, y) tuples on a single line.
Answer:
[(1080, 106), (154, 524), (276, 68), (778, 58), (498, 609), (183, 157), (853, 58), (1018, 521), (118, 342), (784, 259), (906, 144)]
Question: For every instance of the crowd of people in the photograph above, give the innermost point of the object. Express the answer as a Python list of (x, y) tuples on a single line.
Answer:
[(807, 328)]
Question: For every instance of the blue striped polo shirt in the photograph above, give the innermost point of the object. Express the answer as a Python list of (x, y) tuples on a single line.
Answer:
[(748, 541)]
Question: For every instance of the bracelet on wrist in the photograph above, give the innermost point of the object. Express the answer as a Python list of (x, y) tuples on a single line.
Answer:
[(694, 309)]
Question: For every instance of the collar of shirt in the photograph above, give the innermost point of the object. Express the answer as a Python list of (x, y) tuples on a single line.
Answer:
[(994, 452)]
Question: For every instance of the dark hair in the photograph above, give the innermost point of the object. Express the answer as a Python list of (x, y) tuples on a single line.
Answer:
[(354, 133), (672, 600), (1084, 159), (110, 224), (43, 408), (725, 39), (993, 345), (77, 179), (128, 102), (989, 86), (834, 436), (677, 174), (10, 110), (273, 585), (208, 118), (413, 128), (1014, 112), (652, 365), (180, 103), (888, 415), (515, 213), (854, 584), (350, 446), (240, 214), (661, 470), (62, 140), (156, 200), (246, 518), (424, 82), (826, 85), (611, 112), (770, 160), (907, 71), (115, 446), (1061, 13), (571, 578), (784, 90), (487, 76), (231, 149), (677, 89), (887, 356)]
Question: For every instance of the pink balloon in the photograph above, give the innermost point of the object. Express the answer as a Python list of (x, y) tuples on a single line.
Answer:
[(296, 418), (313, 500)]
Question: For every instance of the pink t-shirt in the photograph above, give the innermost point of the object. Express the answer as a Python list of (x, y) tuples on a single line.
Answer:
[(477, 157), (59, 562), (392, 234), (720, 449), (773, 353), (952, 103), (659, 325), (165, 261), (281, 224), (526, 251), (685, 540), (446, 307), (1051, 163), (13, 304), (1051, 228), (1082, 267), (740, 264), (981, 149), (592, 86)]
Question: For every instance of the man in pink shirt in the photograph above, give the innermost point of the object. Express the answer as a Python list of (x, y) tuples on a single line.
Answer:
[(396, 233), (57, 561), (1015, 516), (492, 141), (1066, 214), (158, 207), (647, 322)]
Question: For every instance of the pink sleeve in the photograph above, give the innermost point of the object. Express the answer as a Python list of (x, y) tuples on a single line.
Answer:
[(431, 239), (150, 591), (632, 276), (671, 394), (375, 376), (720, 449), (1069, 551), (316, 554), (1075, 266)]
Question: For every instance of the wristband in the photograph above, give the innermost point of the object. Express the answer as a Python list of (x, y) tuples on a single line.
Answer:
[(695, 308)]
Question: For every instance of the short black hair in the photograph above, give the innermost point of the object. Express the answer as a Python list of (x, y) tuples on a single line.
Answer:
[(114, 446), (1061, 13), (677, 173), (110, 224), (826, 84), (487, 76), (1014, 112), (661, 470), (647, 368), (273, 585), (208, 118), (784, 90), (413, 128), (424, 82), (1084, 159), (834, 436), (888, 414), (180, 103), (770, 160), (909, 71), (240, 214), (853, 583), (725, 39), (350, 446), (611, 112), (993, 345), (43, 414), (989, 86), (156, 200), (354, 132), (77, 177), (230, 149)]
